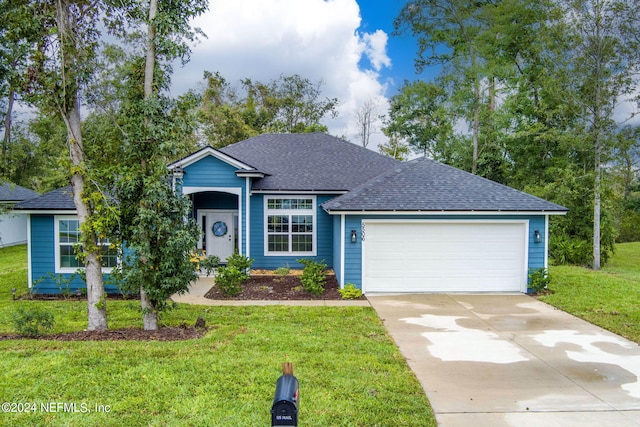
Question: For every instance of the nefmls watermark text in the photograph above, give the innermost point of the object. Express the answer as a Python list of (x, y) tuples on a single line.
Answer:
[(53, 407)]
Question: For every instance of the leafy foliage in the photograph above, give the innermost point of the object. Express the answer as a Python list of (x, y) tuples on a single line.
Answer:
[(350, 292), (209, 264), (290, 104), (313, 276), (418, 116), (229, 278), (539, 279), (32, 321)]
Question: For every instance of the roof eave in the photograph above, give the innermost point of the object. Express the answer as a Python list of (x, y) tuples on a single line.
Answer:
[(250, 174), (32, 211), (442, 212)]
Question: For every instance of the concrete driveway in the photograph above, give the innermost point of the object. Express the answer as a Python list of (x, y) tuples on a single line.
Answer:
[(511, 360)]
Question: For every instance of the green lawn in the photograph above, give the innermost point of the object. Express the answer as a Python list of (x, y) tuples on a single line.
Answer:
[(350, 372), (609, 298)]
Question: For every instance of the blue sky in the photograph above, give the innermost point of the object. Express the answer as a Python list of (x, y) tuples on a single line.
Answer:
[(345, 44), (380, 14)]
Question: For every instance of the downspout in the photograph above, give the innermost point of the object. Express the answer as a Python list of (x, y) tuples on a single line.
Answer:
[(247, 205), (342, 249), (29, 266), (546, 241)]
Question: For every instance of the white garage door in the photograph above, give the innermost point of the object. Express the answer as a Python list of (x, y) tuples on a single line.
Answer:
[(444, 256)]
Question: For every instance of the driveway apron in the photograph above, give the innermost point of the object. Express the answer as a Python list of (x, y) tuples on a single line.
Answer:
[(511, 360)]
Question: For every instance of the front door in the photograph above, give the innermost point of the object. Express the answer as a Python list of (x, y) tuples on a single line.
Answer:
[(219, 233)]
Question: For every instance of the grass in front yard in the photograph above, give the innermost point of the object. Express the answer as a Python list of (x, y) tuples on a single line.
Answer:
[(350, 372), (609, 298)]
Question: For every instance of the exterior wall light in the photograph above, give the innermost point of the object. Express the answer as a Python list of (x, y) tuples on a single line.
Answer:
[(537, 238), (178, 172), (354, 236)]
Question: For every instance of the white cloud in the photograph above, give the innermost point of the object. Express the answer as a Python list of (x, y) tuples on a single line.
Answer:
[(377, 49), (317, 39)]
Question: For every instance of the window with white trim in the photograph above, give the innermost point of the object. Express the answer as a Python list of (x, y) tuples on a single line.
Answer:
[(290, 225), (67, 238)]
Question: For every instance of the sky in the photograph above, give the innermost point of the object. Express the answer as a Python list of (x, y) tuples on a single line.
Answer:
[(345, 44)]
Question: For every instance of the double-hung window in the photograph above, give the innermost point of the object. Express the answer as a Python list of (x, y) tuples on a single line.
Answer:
[(67, 238), (290, 225)]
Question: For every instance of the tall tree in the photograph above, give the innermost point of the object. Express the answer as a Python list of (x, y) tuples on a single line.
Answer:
[(447, 32), (365, 121), (607, 63), (418, 115), (395, 147), (289, 104), (20, 30), (294, 103), (153, 216), (60, 70), (225, 117)]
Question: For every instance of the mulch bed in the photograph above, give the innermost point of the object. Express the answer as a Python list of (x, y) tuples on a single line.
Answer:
[(128, 334), (274, 287), (258, 287)]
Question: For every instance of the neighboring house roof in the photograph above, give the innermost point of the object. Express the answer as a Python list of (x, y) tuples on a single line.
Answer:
[(11, 193), (308, 162), (426, 185), (56, 200)]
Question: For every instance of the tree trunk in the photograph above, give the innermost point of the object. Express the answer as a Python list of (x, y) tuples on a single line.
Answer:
[(476, 127), (596, 211), (7, 127), (70, 111), (476, 115), (149, 311), (597, 125)]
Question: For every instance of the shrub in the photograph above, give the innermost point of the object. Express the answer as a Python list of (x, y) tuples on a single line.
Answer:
[(567, 250), (313, 276), (209, 264), (539, 279), (229, 280), (350, 292), (32, 321), (230, 277), (240, 262)]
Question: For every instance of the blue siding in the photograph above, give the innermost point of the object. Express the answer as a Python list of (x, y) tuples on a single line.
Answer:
[(353, 251), (337, 262), (43, 260), (211, 172), (536, 250), (324, 236)]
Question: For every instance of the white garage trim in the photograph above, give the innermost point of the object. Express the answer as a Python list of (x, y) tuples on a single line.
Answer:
[(496, 261)]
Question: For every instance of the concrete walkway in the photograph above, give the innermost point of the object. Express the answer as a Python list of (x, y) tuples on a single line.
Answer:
[(198, 290), (511, 360)]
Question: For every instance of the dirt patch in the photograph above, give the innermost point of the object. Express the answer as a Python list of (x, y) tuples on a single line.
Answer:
[(275, 287)]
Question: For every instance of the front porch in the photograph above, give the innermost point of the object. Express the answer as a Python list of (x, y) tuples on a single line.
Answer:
[(219, 217)]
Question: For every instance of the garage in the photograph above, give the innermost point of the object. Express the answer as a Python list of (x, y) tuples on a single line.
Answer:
[(444, 256)]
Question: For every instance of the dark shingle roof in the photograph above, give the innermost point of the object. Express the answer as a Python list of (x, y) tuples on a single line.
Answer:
[(312, 161), (15, 193), (426, 185), (57, 200)]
